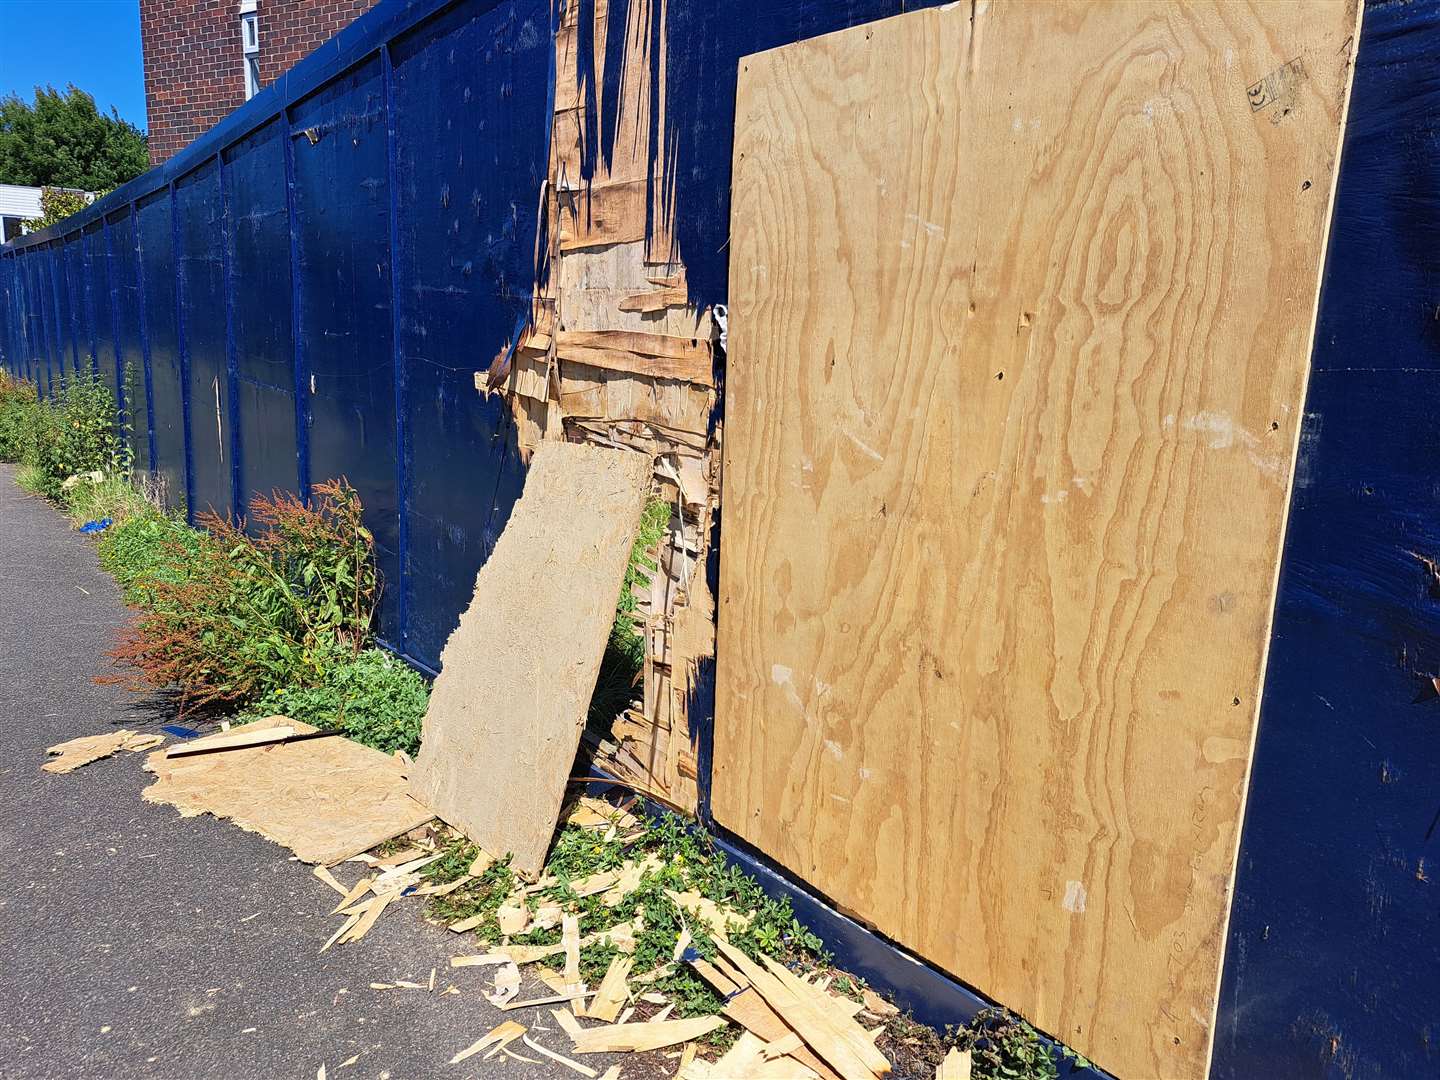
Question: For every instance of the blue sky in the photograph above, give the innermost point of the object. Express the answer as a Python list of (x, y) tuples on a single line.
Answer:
[(93, 43)]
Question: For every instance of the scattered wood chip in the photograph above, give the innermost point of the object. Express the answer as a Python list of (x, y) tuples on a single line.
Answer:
[(653, 999), (711, 974), (467, 924), (595, 883), (570, 939), (719, 919), (613, 990), (372, 914), (507, 986), (547, 915), (396, 858), (612, 1073), (685, 1059), (650, 1035), (345, 928), (748, 1060), (568, 1024), (349, 1061), (583, 1070), (836, 1038), (329, 879), (432, 979), (629, 879), (482, 862), (520, 1057), (499, 1036), (513, 916), (956, 1066), (446, 889), (621, 936), (682, 942), (876, 1005)]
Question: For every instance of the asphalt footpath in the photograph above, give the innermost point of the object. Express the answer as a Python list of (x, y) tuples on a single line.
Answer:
[(137, 943)]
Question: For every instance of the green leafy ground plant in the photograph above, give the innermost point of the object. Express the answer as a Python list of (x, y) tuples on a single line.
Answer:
[(374, 698), (19, 408)]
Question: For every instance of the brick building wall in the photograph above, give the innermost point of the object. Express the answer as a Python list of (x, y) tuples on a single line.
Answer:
[(194, 62)]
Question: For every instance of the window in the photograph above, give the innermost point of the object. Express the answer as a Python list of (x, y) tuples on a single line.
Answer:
[(250, 46), (10, 228)]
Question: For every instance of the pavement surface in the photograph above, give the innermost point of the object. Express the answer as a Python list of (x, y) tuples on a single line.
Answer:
[(137, 943)]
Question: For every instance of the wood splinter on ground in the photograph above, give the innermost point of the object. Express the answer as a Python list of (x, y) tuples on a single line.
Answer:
[(87, 748)]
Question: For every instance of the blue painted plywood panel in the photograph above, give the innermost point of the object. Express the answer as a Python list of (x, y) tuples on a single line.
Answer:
[(1335, 926), (199, 261), (472, 118), (167, 389), (97, 329), (68, 285), (129, 344), (258, 233), (342, 214)]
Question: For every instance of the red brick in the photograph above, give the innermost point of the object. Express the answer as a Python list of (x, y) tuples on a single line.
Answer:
[(194, 63)]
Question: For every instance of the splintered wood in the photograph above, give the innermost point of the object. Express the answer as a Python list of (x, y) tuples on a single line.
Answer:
[(88, 748), (505, 714), (1022, 298), (324, 799), (616, 355)]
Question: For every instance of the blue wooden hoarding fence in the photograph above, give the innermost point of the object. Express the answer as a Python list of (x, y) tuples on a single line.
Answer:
[(307, 291)]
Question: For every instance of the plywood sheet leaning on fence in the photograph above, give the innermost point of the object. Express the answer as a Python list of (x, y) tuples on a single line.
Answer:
[(324, 799), (506, 711), (1021, 306)]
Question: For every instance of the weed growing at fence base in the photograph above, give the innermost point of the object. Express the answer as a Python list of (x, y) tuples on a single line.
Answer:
[(621, 667), (147, 548), (250, 614), (19, 406), (686, 861), (374, 698), (72, 435)]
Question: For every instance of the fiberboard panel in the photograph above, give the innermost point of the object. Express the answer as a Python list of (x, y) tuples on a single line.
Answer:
[(1022, 297)]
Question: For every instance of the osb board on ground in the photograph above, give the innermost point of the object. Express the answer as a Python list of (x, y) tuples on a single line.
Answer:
[(1021, 306), (505, 714), (324, 799)]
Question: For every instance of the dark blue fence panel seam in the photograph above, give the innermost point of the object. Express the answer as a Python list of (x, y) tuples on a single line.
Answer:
[(227, 232), (183, 352), (297, 345), (392, 164)]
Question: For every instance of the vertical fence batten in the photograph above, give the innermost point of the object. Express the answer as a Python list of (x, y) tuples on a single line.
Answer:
[(227, 232), (297, 345), (182, 352), (397, 358)]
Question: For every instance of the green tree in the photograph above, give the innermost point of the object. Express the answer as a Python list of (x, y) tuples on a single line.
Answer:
[(63, 140), (56, 204)]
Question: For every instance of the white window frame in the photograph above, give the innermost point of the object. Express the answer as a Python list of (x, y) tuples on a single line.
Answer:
[(250, 46)]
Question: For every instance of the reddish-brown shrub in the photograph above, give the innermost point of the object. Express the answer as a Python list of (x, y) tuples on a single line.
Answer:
[(238, 614)]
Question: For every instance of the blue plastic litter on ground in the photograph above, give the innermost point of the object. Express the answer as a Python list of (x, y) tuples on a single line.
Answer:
[(180, 732), (96, 526)]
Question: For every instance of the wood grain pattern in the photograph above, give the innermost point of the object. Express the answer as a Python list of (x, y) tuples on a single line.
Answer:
[(1022, 297), (506, 711)]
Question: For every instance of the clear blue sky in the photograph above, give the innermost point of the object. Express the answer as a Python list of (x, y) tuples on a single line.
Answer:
[(93, 43)]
